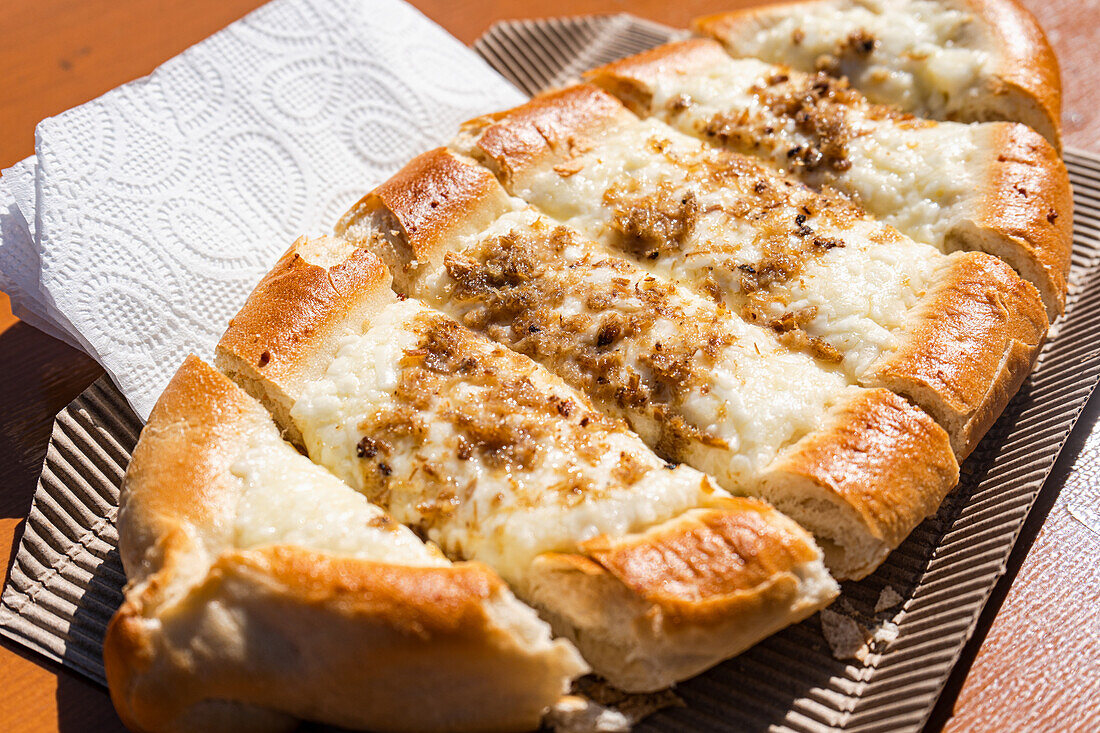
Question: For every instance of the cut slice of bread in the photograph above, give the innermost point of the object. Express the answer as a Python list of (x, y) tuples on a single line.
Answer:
[(490, 456), (966, 60), (263, 590), (811, 267), (697, 383), (995, 187)]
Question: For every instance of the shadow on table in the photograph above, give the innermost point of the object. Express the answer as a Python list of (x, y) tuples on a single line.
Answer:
[(41, 376)]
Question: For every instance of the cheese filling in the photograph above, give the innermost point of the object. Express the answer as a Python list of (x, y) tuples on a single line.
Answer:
[(916, 175), (480, 449), (774, 251), (287, 499), (920, 55), (675, 364)]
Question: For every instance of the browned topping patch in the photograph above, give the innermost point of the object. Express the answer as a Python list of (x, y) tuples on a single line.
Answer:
[(785, 223), (499, 417), (822, 109), (817, 105), (656, 225), (514, 291), (790, 327)]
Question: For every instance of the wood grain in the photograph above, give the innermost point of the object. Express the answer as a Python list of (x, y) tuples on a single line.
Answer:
[(1033, 664)]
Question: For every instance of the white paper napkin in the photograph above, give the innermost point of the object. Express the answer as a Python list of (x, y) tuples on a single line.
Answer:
[(160, 204), (19, 264)]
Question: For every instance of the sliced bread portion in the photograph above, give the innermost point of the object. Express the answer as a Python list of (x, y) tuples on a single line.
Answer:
[(811, 267), (263, 590), (994, 187), (493, 458), (696, 382), (966, 60)]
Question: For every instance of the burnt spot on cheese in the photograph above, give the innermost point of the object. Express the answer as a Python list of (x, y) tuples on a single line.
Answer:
[(860, 43)]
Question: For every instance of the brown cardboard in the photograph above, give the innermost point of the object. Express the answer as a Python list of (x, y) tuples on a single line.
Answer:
[(66, 578)]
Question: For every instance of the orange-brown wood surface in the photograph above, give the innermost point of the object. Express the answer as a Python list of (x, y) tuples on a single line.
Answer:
[(1034, 663)]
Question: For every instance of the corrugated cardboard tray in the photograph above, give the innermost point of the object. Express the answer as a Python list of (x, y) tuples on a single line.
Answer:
[(66, 579)]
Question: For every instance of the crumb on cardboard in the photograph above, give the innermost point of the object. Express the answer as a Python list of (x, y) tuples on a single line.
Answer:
[(845, 636), (887, 599)]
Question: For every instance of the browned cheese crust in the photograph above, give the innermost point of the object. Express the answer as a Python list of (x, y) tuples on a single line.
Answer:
[(255, 639), (1026, 86)]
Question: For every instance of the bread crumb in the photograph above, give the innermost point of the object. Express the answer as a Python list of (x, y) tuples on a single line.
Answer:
[(596, 707), (887, 599), (575, 714), (846, 638), (885, 634)]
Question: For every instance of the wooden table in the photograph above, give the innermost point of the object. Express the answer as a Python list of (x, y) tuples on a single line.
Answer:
[(1034, 662)]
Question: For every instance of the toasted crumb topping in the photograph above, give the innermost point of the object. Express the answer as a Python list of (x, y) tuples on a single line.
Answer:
[(606, 327), (483, 404), (786, 225), (816, 106)]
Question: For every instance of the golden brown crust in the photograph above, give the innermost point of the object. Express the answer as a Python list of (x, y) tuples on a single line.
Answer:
[(384, 649), (1025, 86), (703, 565), (296, 315), (293, 306), (550, 126), (434, 194), (631, 79), (218, 638), (437, 197), (969, 347), (855, 460), (188, 435), (1025, 212), (675, 599)]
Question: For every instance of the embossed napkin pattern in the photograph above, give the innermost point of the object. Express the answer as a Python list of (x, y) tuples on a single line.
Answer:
[(160, 204)]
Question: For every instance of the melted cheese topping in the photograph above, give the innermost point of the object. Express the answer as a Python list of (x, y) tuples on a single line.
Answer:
[(920, 55), (917, 176), (675, 364), (480, 449), (286, 499), (811, 267)]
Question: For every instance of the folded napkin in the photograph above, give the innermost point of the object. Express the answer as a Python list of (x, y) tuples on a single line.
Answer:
[(148, 214)]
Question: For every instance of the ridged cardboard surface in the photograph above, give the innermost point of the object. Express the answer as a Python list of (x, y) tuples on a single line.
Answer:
[(66, 579)]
